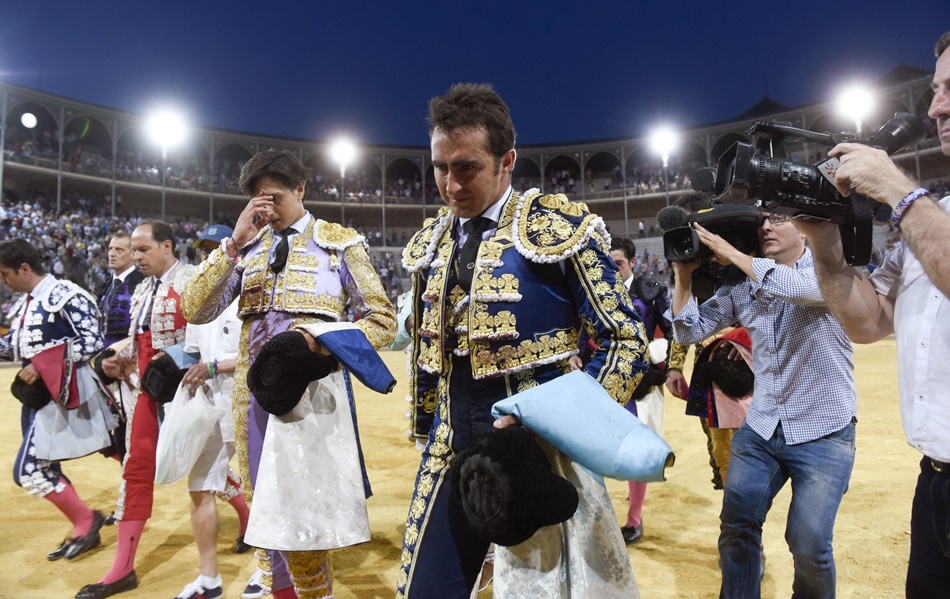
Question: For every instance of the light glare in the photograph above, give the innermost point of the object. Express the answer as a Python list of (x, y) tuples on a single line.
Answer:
[(166, 127), (28, 120)]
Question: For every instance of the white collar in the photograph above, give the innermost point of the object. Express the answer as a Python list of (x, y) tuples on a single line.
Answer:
[(493, 212)]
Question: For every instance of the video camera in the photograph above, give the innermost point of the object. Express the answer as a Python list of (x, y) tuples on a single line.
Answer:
[(747, 174), (737, 224)]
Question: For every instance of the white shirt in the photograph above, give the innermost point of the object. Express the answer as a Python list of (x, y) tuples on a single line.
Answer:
[(218, 340), (922, 324), (125, 274), (493, 212)]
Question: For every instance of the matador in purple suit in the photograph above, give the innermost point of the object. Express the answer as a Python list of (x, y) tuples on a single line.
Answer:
[(290, 269)]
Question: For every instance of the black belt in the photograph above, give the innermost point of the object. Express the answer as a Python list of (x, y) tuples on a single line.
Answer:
[(941, 467)]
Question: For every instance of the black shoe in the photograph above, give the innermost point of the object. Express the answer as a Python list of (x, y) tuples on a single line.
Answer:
[(60, 552), (110, 519), (89, 540), (240, 546), (632, 534), (100, 591)]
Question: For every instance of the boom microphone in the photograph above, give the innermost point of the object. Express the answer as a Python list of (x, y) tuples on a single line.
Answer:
[(672, 217)]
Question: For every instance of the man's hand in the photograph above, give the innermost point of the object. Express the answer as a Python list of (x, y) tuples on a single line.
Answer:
[(506, 421), (245, 229), (575, 362), (724, 251), (28, 374), (676, 383), (871, 172), (116, 367), (196, 376)]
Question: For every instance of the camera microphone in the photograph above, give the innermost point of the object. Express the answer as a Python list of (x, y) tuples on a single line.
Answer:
[(672, 217)]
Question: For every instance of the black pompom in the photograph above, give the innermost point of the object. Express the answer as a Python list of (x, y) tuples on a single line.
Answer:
[(283, 370), (507, 488)]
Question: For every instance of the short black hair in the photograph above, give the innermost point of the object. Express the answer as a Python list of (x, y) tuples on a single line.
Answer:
[(475, 105), (15, 252), (161, 231), (280, 165), (627, 246)]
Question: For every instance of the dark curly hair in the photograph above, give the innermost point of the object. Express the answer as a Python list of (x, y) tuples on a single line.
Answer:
[(15, 252), (474, 105), (280, 165), (627, 246), (942, 44)]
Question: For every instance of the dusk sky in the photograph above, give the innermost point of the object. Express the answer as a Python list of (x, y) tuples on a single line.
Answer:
[(570, 71)]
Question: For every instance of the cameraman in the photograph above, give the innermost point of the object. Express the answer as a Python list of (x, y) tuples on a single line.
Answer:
[(907, 295), (801, 424)]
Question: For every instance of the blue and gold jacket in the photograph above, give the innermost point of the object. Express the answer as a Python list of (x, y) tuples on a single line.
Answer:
[(542, 278)]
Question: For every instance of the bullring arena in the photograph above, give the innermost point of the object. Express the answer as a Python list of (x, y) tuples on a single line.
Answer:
[(90, 166), (676, 558)]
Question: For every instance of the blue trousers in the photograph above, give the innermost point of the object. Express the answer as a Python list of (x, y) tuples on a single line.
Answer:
[(819, 471), (928, 572), (29, 472), (441, 554)]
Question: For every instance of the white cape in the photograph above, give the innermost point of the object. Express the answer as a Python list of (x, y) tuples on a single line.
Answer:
[(309, 492)]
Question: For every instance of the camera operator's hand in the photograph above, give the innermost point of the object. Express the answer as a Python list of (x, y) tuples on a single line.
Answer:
[(871, 172), (725, 252)]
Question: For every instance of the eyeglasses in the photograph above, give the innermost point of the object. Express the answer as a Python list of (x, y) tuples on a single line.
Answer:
[(777, 219)]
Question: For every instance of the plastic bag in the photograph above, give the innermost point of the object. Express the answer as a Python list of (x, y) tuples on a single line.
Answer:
[(189, 421)]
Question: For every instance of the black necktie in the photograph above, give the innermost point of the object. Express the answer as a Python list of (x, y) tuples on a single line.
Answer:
[(283, 248), (474, 228)]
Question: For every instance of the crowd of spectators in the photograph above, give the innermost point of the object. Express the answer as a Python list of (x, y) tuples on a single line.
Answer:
[(75, 240)]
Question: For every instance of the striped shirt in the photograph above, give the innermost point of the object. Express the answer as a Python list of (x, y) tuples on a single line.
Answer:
[(803, 361)]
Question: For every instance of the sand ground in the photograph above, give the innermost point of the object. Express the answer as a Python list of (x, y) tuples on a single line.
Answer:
[(676, 558)]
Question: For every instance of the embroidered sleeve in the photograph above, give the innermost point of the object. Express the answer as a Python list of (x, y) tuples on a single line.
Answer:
[(619, 361), (83, 315), (215, 284), (377, 316), (6, 347)]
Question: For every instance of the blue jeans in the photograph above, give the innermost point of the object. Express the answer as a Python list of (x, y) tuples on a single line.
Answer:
[(820, 471)]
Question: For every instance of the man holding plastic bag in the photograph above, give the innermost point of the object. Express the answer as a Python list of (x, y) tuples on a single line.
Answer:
[(197, 436)]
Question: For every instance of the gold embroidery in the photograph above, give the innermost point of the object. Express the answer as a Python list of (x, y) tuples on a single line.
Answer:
[(545, 349), (485, 326), (543, 231)]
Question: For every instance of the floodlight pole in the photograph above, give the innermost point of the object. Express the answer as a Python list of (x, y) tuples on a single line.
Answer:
[(164, 158), (666, 176), (342, 195)]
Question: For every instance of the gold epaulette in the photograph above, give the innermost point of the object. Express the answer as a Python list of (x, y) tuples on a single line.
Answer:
[(334, 236), (551, 228)]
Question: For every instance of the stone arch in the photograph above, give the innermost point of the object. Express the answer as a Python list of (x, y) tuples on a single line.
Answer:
[(558, 173), (39, 145), (526, 174), (87, 147), (229, 159), (605, 171), (403, 181)]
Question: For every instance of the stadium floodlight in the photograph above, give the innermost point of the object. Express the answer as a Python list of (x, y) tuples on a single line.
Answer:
[(855, 102), (664, 141), (343, 152), (28, 120), (167, 128)]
